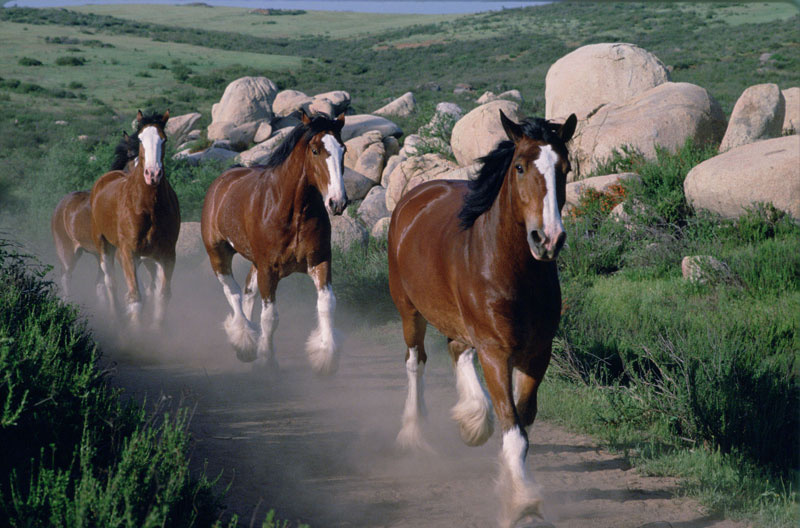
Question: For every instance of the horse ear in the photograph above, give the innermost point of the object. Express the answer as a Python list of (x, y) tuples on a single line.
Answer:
[(139, 116), (513, 130), (124, 135), (339, 123), (165, 117), (568, 128), (304, 117)]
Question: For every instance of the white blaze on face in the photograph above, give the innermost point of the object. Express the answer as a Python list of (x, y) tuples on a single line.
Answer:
[(551, 216), (153, 143), (335, 150)]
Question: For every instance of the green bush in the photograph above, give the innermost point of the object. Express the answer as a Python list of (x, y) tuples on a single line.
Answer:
[(70, 60), (28, 61), (74, 455)]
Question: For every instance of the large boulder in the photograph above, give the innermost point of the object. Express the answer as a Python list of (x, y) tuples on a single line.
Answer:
[(765, 171), (245, 100), (791, 120), (414, 171), (210, 154), (478, 132), (356, 184), (373, 208), (179, 126), (598, 74), (346, 231), (259, 154), (598, 183), (357, 145), (758, 114), (403, 106), (357, 125), (288, 102), (664, 116), (338, 98), (371, 162)]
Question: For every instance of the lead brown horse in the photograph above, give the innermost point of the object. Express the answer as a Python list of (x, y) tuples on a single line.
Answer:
[(71, 223), (477, 260), (276, 216), (137, 214)]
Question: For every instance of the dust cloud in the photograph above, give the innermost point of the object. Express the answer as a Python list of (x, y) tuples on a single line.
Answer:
[(321, 450)]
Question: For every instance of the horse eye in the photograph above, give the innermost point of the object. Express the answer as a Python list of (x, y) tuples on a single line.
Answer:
[(314, 151), (519, 168)]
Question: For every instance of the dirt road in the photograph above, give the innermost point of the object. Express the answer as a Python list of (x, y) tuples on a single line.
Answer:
[(321, 451)]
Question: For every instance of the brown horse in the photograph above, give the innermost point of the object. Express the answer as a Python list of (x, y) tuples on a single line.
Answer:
[(477, 260), (276, 216), (137, 214), (71, 223)]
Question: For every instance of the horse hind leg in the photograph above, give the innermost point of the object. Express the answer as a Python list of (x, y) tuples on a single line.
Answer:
[(519, 494), (322, 345), (410, 435), (473, 412), (161, 272)]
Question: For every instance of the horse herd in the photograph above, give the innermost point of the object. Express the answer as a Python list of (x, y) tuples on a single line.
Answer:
[(474, 258)]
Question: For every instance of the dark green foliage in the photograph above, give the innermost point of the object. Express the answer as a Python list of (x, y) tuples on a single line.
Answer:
[(70, 60), (73, 455), (715, 363), (28, 61)]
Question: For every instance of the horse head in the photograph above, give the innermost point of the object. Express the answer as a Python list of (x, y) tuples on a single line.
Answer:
[(324, 161), (151, 145), (538, 177)]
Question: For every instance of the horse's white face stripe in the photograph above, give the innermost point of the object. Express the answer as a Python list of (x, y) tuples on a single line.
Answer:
[(335, 150), (551, 216), (153, 144)]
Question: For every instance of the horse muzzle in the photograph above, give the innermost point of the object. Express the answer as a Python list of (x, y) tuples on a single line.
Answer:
[(153, 176), (336, 207), (546, 248)]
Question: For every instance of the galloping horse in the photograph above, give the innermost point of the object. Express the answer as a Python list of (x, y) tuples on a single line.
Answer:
[(71, 223), (276, 216), (477, 260), (138, 215)]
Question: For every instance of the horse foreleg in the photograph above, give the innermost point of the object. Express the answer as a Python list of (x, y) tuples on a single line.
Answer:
[(520, 496), (473, 412), (266, 283), (322, 346), (162, 277), (414, 326), (250, 293), (107, 268), (133, 298), (99, 286), (241, 333), (527, 378)]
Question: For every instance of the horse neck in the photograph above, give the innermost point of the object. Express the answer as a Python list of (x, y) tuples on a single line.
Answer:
[(144, 195), (293, 181), (503, 238)]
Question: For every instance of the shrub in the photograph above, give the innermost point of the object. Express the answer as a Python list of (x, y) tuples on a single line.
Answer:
[(28, 61), (70, 60)]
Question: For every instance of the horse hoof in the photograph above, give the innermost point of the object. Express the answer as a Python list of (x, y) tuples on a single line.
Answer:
[(246, 356)]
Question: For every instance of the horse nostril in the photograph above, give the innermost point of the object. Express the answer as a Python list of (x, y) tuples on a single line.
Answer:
[(536, 237)]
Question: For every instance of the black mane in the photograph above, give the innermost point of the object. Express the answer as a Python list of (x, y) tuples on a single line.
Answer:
[(483, 190), (126, 150), (302, 131)]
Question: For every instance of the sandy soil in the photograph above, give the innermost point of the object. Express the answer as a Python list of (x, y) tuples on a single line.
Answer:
[(321, 451)]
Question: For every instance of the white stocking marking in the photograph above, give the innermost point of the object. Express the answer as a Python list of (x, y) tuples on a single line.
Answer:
[(410, 435), (269, 322), (473, 412), (322, 348), (241, 333)]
